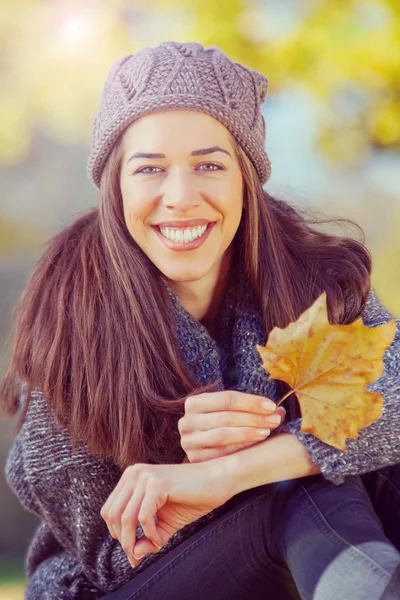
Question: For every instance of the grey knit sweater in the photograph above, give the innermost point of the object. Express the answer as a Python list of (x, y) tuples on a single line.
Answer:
[(72, 549)]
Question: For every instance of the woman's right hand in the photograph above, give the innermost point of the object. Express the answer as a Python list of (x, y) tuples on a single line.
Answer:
[(219, 423)]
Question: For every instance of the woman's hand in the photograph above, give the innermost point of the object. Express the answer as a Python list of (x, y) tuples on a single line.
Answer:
[(176, 494), (220, 423)]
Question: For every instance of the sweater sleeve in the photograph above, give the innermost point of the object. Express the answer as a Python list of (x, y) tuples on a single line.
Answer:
[(378, 445), (52, 571), (73, 548)]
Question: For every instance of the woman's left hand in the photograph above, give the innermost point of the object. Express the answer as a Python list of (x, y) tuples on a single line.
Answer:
[(178, 494)]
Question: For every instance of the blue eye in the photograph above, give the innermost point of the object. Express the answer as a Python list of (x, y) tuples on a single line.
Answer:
[(217, 167), (145, 171), (152, 170)]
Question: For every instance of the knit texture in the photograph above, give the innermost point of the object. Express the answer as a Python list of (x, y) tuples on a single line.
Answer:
[(185, 76), (72, 550)]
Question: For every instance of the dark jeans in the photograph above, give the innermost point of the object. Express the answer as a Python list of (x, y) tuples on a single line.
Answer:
[(305, 538)]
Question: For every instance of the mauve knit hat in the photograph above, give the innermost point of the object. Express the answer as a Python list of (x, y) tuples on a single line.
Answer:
[(181, 76)]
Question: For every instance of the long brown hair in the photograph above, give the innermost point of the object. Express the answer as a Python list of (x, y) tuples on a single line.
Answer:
[(95, 335)]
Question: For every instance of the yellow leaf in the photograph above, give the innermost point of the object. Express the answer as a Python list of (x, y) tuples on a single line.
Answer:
[(329, 367)]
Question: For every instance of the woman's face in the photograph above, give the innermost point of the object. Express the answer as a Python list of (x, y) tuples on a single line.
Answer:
[(182, 192)]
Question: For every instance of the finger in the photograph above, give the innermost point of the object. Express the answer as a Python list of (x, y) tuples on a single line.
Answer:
[(142, 547), (231, 449), (129, 521), (202, 422), (112, 514), (282, 412), (223, 436), (210, 453), (228, 400), (114, 494), (153, 500)]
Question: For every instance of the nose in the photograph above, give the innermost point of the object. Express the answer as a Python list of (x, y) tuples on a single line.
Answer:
[(179, 193)]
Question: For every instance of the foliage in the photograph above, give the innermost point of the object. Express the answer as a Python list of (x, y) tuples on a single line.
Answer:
[(12, 591), (12, 579), (385, 275), (19, 236), (55, 57), (329, 367)]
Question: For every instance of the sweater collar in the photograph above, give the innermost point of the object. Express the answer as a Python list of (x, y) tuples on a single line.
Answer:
[(206, 357), (233, 360)]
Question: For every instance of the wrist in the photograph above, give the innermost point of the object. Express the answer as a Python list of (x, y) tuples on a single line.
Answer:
[(221, 473), (279, 458)]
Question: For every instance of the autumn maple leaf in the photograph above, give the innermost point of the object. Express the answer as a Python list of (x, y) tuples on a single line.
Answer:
[(329, 367)]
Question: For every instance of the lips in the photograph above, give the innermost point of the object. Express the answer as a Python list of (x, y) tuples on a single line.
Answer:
[(184, 224), (182, 247)]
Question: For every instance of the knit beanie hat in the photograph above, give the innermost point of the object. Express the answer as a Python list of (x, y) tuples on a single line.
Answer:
[(181, 76)]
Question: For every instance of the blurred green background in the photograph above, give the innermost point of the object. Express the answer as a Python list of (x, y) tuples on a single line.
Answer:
[(332, 115)]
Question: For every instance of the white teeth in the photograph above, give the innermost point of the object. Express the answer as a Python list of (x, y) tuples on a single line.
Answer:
[(183, 236)]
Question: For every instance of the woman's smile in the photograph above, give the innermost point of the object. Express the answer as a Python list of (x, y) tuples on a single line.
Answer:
[(181, 239), (181, 183)]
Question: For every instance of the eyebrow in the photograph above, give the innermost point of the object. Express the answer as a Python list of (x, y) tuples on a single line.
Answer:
[(200, 152)]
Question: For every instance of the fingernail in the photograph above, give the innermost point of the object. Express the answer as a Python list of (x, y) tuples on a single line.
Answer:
[(263, 432), (136, 557), (268, 405), (274, 419)]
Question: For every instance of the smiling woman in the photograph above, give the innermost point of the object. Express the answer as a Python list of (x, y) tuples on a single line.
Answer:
[(191, 178), (143, 439)]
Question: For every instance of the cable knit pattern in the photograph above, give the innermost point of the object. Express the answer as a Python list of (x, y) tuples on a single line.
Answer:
[(72, 550), (176, 76)]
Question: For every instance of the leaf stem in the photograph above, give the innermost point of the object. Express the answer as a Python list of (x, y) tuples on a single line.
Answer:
[(290, 392)]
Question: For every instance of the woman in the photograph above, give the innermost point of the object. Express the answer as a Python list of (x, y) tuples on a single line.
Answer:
[(136, 348)]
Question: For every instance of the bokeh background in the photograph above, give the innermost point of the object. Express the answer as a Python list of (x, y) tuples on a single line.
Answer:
[(333, 131)]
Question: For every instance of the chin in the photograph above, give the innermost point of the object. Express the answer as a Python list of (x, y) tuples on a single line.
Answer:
[(194, 274)]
